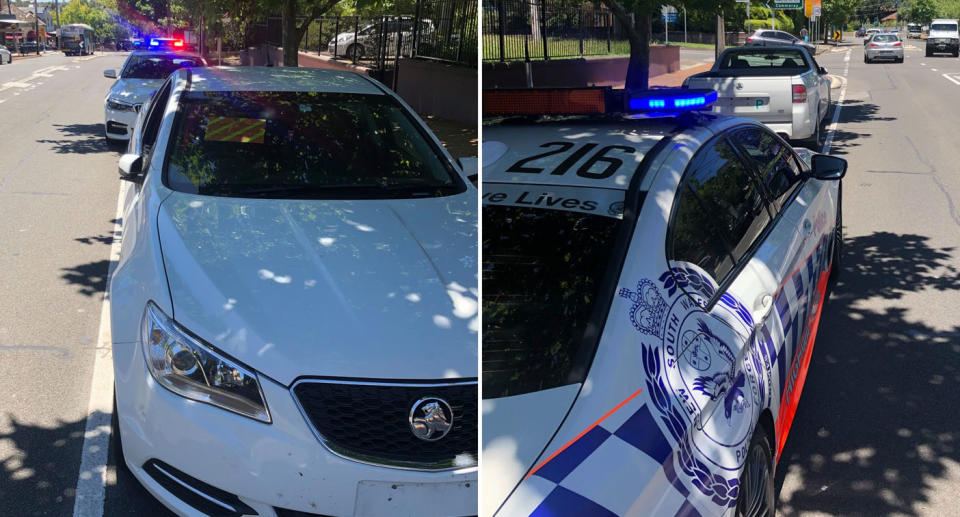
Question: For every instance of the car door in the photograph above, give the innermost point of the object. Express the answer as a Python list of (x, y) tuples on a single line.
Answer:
[(787, 267), (822, 85), (760, 296)]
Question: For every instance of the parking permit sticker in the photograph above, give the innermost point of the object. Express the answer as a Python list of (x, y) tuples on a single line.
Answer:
[(235, 129), (605, 202)]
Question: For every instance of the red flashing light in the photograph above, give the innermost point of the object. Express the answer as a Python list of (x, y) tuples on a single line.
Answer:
[(550, 101), (177, 43)]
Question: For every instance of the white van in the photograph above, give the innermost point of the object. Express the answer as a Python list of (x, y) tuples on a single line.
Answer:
[(943, 37)]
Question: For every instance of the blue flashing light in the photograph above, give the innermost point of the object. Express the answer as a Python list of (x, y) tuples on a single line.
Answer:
[(671, 100), (154, 42)]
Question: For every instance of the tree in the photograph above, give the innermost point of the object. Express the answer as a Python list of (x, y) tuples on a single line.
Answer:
[(920, 11), (638, 69)]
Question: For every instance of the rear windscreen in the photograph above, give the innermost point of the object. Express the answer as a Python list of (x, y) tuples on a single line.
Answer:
[(885, 38), (542, 277), (943, 27), (763, 58)]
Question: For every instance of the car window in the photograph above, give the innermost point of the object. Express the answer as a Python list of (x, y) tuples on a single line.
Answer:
[(156, 67), (885, 38), (151, 124), (943, 27), (311, 144), (696, 239), (729, 199), (784, 36), (762, 57), (542, 274), (777, 166)]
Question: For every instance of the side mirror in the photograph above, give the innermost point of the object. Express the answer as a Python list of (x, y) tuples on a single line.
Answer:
[(110, 73), (470, 168), (130, 168), (823, 71), (826, 167)]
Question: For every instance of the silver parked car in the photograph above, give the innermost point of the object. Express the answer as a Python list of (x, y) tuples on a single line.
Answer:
[(768, 37), (5, 56), (883, 46)]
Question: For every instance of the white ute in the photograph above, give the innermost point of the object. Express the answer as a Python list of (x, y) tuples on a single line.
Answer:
[(783, 87)]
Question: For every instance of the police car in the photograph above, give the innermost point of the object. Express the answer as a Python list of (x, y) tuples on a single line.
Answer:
[(652, 284)]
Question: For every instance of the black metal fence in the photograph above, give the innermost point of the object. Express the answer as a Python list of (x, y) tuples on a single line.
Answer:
[(438, 29), (521, 30)]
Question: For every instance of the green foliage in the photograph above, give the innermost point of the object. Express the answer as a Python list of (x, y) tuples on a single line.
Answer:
[(102, 16), (922, 11)]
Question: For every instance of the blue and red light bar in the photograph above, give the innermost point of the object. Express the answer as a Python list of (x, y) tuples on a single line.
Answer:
[(669, 100), (594, 101)]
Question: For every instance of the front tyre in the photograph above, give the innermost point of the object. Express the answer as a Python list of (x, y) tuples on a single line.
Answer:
[(756, 482)]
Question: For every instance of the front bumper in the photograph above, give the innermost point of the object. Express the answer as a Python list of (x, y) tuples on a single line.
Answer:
[(118, 125), (267, 467), (938, 47)]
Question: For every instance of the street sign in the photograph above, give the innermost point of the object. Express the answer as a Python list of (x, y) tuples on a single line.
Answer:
[(788, 4), (669, 17), (817, 11)]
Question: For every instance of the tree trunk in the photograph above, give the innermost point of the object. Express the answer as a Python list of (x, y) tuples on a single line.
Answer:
[(638, 69), (721, 42), (291, 36)]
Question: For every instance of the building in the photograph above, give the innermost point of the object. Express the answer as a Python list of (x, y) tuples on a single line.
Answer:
[(18, 25)]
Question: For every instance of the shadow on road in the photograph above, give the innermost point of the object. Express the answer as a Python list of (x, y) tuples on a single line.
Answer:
[(852, 112), (90, 278), (876, 425), (81, 139), (40, 477)]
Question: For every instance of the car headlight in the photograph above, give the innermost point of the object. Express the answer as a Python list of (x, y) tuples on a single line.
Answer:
[(119, 106), (186, 366)]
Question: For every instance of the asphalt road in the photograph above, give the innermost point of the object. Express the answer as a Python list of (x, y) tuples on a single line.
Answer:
[(58, 198), (876, 432)]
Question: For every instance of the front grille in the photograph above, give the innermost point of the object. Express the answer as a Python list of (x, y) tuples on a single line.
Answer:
[(369, 422), (116, 127)]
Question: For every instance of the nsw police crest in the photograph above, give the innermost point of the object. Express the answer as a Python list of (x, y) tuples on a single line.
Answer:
[(697, 376)]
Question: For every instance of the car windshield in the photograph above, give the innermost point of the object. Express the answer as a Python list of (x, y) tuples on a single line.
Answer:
[(156, 67), (943, 27), (762, 58), (885, 38), (308, 145), (542, 274)]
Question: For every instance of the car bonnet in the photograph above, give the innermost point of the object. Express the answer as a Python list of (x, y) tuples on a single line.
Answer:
[(134, 91), (376, 289)]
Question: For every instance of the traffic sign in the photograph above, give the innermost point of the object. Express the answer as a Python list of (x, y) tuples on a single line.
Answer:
[(669, 17), (788, 4)]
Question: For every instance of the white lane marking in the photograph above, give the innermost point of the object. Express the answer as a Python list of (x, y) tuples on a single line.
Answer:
[(836, 110), (846, 58), (91, 480), (923, 64), (933, 69), (951, 79), (25, 82)]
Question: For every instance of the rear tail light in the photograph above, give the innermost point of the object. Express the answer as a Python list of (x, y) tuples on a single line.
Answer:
[(750, 38), (874, 45), (799, 93), (898, 44)]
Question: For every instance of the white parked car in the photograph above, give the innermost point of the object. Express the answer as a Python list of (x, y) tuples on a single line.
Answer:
[(5, 56), (783, 87), (652, 287), (141, 74), (369, 38), (294, 312)]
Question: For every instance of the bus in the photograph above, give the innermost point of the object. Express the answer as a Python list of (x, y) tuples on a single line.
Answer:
[(71, 37)]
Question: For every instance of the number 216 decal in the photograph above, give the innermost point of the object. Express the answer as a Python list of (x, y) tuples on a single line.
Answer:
[(585, 170)]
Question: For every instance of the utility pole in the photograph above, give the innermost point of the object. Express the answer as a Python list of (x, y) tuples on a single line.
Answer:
[(59, 36), (36, 26)]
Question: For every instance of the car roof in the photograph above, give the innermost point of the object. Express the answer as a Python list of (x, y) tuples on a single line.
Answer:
[(289, 79), (509, 142)]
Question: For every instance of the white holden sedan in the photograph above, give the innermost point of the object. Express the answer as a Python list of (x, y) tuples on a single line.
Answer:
[(294, 311)]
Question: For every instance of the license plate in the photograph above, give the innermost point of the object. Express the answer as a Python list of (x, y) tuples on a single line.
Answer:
[(742, 105), (384, 499)]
